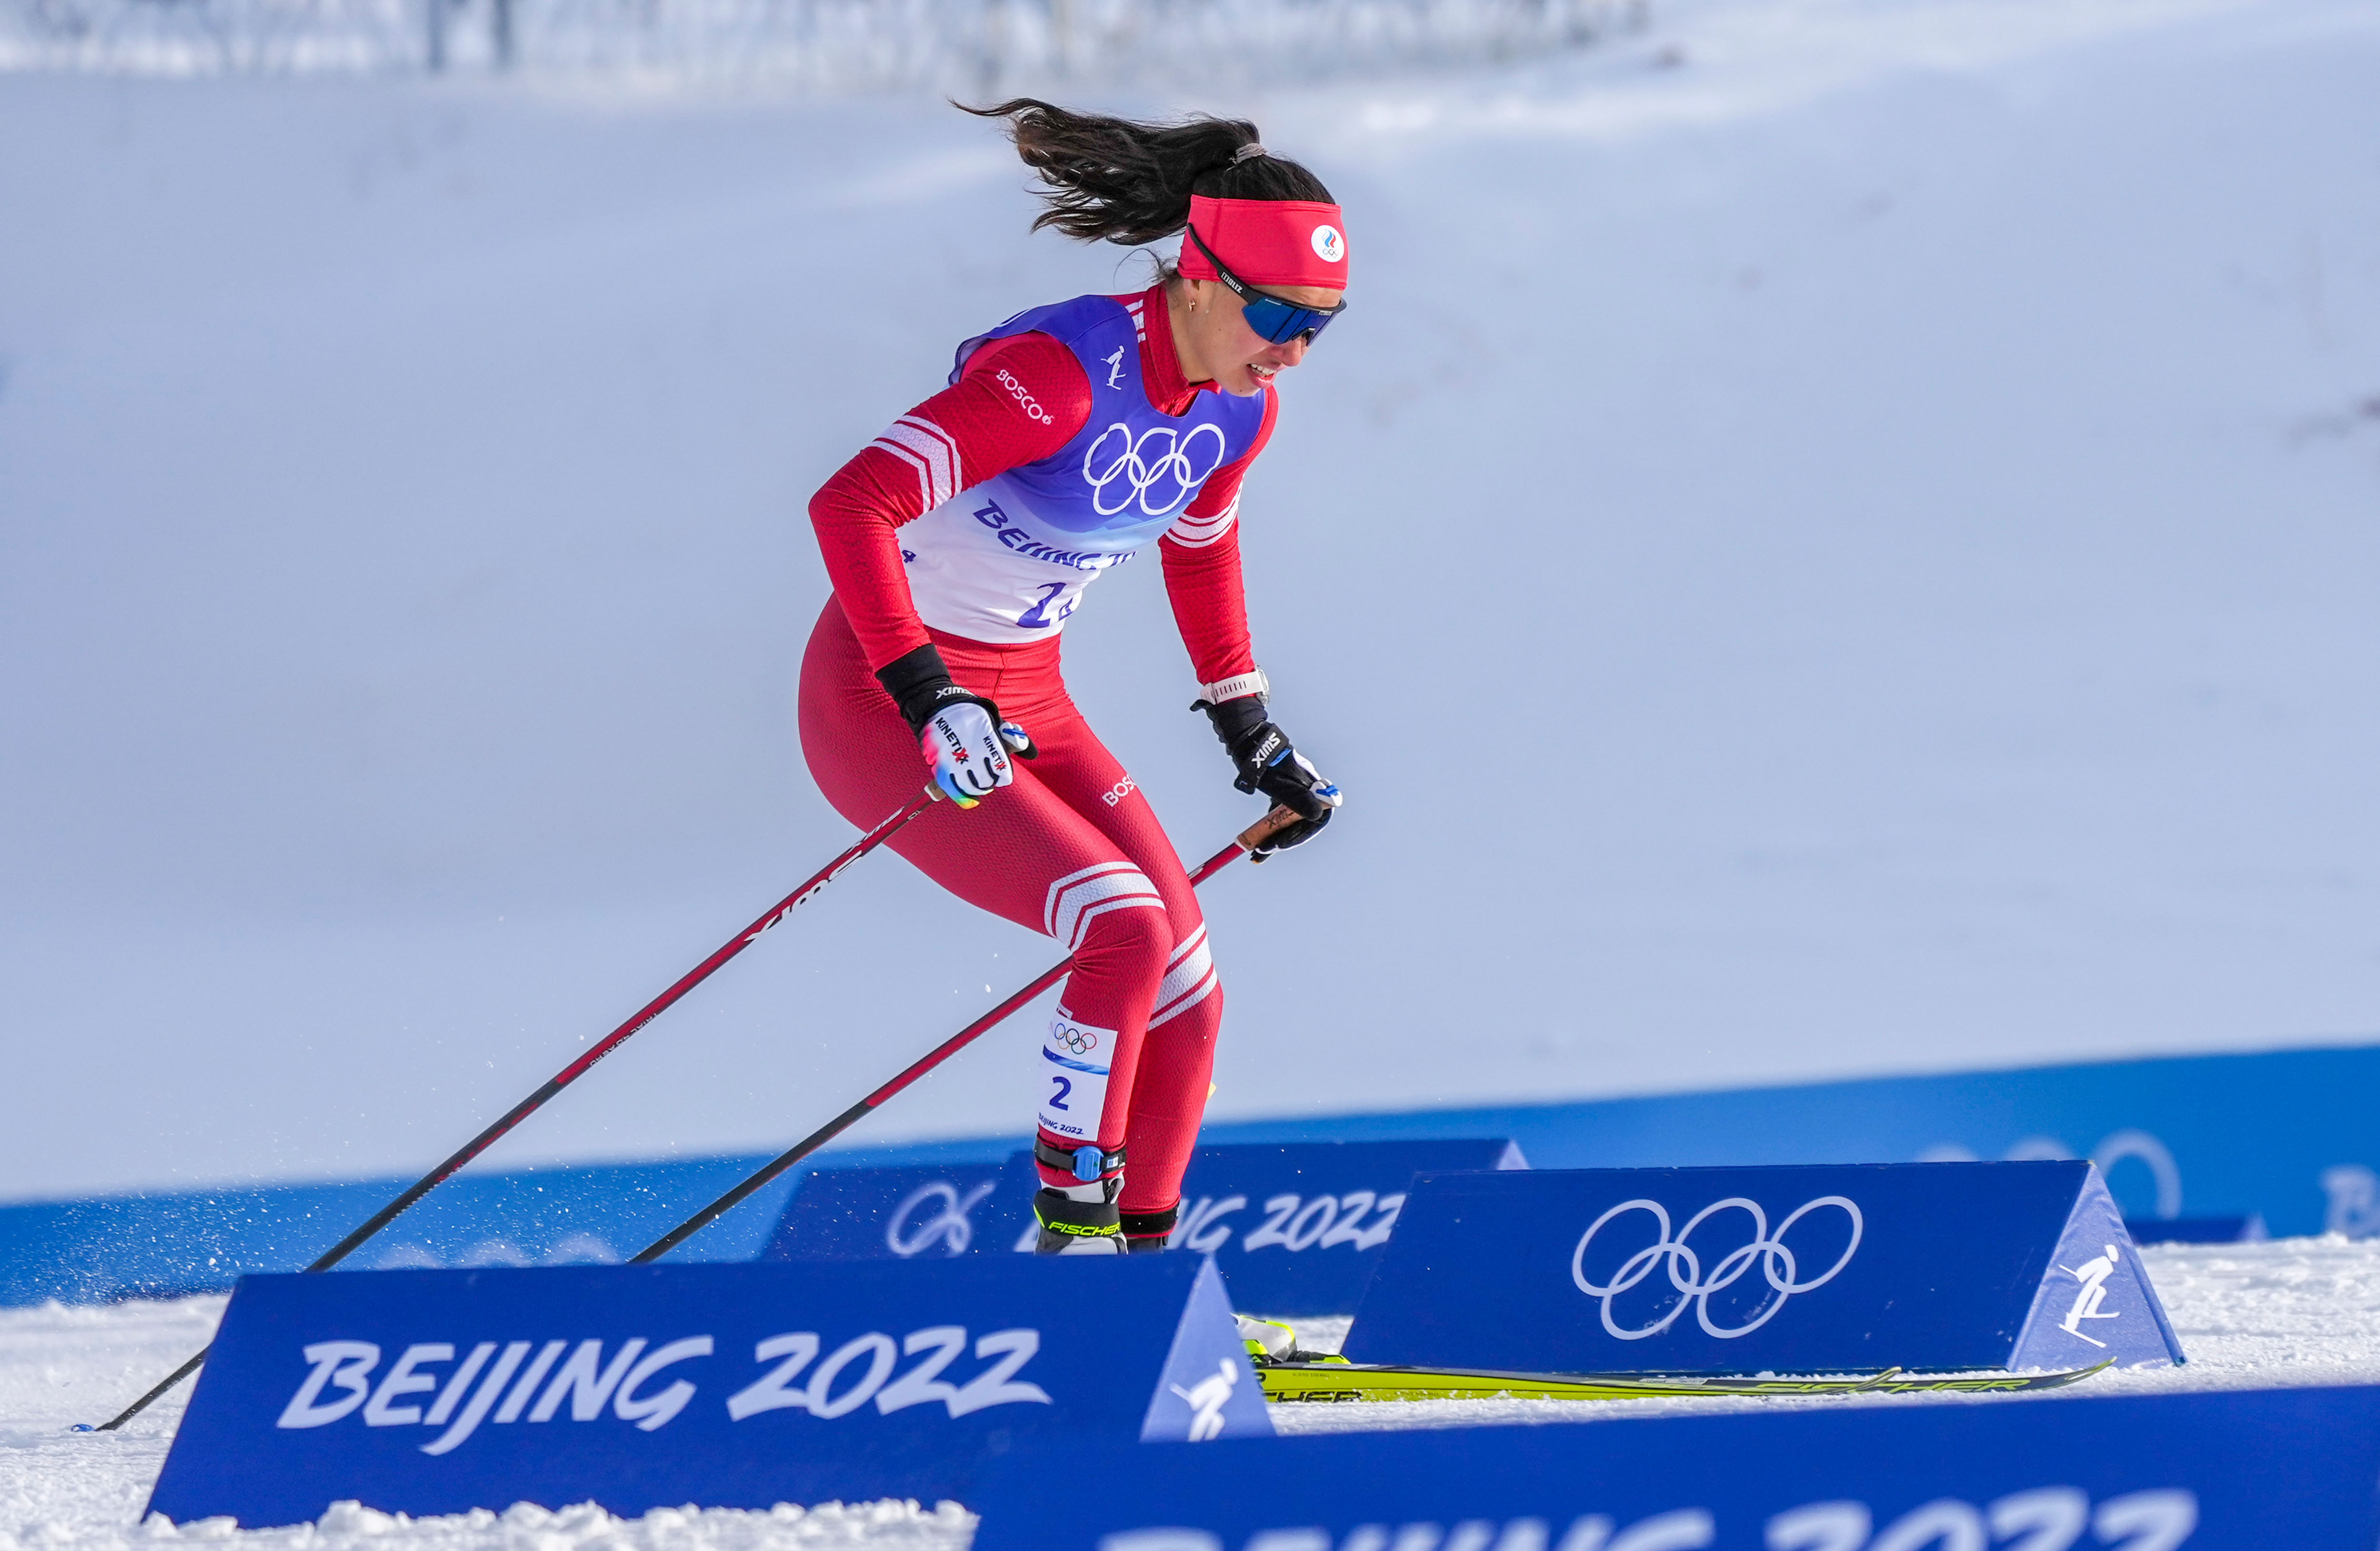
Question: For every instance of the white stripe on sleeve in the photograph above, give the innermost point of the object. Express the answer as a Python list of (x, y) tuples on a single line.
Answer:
[(929, 448), (1197, 533)]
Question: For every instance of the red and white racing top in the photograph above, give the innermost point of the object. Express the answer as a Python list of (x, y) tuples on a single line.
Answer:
[(1020, 399)]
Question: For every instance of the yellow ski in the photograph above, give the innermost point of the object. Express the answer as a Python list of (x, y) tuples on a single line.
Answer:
[(1333, 1378)]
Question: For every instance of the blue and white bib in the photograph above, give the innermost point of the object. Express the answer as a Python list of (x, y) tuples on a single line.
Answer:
[(1007, 560)]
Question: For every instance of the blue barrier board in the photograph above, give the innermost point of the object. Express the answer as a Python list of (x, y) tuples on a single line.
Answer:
[(1296, 1228), (725, 1386), (880, 1214), (1919, 1265), (2292, 1136), (2248, 1229), (2235, 1469), (172, 1244)]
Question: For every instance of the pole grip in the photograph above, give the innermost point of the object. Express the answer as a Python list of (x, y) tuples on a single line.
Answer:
[(1263, 830)]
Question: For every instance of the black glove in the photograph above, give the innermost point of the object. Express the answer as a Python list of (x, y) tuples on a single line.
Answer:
[(954, 726), (1269, 763)]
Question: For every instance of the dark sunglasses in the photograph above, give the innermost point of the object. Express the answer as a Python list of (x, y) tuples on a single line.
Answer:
[(1274, 319)]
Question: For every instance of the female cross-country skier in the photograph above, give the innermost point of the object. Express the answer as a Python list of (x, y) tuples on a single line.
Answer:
[(960, 541)]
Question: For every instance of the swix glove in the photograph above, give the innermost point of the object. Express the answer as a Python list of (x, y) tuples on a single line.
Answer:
[(1270, 763), (962, 735)]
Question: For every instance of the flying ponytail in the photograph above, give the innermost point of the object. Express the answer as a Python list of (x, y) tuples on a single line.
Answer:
[(1114, 180)]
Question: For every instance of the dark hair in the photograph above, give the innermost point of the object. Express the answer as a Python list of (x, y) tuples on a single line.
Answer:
[(1130, 182)]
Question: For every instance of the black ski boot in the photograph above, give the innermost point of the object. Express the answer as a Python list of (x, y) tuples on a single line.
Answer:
[(1072, 1227), (1079, 1219)]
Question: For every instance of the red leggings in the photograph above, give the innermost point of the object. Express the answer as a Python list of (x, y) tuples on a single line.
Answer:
[(1072, 850)]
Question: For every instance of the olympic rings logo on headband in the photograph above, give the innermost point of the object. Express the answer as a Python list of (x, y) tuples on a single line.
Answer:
[(1147, 468), (949, 1225), (1776, 1264)]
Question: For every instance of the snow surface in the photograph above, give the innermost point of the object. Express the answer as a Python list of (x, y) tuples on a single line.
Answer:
[(2296, 1311), (1836, 537)]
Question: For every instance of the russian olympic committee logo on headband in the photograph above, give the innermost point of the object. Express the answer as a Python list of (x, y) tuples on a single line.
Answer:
[(1690, 1283)]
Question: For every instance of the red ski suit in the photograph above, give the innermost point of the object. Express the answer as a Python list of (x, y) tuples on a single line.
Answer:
[(1073, 848)]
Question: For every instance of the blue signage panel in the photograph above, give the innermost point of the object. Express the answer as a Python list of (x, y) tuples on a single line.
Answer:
[(722, 1385), (2229, 1469), (901, 1214), (172, 1244), (1939, 1266), (2287, 1136), (2248, 1229), (2291, 1135), (1296, 1228)]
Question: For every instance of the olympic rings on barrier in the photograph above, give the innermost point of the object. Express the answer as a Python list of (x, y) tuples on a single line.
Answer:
[(1778, 1267), (950, 1225), (1144, 466)]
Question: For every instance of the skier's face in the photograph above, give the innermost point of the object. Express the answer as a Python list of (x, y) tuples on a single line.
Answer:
[(1221, 346)]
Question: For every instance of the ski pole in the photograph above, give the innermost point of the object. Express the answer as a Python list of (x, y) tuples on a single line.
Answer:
[(575, 1071), (1248, 842)]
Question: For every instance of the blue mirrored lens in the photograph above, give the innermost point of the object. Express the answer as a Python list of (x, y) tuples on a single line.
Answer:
[(1280, 321)]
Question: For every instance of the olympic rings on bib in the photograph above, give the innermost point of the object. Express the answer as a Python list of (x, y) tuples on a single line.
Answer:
[(1082, 1041), (1778, 1267), (1147, 468)]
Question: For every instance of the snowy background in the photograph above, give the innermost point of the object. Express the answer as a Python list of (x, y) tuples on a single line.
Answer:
[(710, 46), (1837, 537)]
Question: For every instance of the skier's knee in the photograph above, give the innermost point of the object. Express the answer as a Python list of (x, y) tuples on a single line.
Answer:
[(1190, 998), (1134, 936), (1110, 905)]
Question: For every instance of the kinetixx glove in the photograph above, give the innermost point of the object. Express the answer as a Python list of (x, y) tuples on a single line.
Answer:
[(964, 743)]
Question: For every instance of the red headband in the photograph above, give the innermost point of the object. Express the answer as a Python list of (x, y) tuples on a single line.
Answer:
[(1268, 242)]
